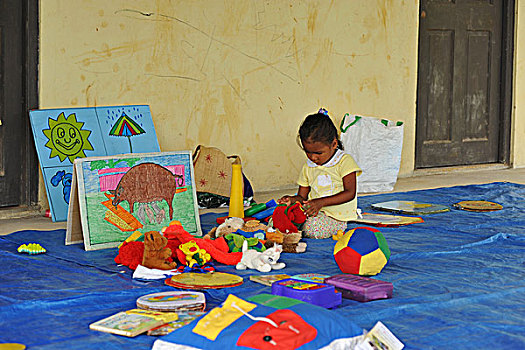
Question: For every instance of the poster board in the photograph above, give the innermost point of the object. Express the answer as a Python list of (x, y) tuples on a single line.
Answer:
[(65, 134), (115, 196)]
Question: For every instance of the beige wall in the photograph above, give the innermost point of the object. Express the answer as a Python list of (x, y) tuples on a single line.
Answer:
[(240, 75)]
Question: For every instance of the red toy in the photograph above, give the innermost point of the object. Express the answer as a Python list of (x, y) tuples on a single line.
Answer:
[(130, 253), (288, 218)]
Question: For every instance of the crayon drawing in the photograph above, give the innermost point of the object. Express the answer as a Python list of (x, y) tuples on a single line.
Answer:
[(63, 135), (118, 195)]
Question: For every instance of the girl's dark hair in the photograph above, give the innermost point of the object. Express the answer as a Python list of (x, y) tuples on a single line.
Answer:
[(320, 128)]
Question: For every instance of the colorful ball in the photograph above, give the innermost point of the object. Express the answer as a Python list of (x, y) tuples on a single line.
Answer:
[(362, 251)]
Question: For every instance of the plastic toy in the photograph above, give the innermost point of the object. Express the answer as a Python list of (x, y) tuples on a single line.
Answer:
[(31, 248), (156, 254), (236, 196), (194, 254), (362, 251), (360, 288), (263, 262), (319, 294), (257, 208), (266, 213)]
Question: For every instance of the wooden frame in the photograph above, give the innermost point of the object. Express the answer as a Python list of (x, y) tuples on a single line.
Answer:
[(113, 197)]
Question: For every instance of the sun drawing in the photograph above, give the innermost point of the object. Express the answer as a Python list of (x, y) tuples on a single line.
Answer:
[(66, 138)]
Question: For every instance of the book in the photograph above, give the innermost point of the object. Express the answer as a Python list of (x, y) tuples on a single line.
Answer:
[(184, 318), (131, 323), (267, 280), (311, 277), (379, 337)]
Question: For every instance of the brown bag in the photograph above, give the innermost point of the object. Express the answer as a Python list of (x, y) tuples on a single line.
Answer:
[(213, 170)]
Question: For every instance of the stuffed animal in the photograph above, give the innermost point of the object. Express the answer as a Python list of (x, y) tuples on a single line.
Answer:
[(262, 262), (156, 255), (218, 248), (230, 225), (288, 218), (131, 253), (290, 241)]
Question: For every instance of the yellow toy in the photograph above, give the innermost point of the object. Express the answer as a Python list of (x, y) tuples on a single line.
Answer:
[(31, 248), (338, 236), (194, 254)]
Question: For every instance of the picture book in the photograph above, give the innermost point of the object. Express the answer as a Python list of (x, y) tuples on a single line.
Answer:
[(267, 280), (184, 318), (379, 337), (311, 277), (133, 322)]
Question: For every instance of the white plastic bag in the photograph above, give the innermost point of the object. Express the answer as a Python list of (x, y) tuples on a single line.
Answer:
[(375, 144)]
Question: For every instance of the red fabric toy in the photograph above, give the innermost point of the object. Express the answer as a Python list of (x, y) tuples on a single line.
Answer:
[(130, 253), (288, 218), (217, 248)]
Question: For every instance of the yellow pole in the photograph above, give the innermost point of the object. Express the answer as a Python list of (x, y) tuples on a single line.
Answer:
[(236, 191)]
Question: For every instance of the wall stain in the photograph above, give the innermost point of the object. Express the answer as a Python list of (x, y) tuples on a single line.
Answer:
[(136, 14), (106, 53), (313, 11), (369, 84)]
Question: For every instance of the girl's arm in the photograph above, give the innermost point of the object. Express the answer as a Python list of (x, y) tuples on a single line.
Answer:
[(348, 193), (301, 196)]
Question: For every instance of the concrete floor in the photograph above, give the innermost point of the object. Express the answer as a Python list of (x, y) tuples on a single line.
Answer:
[(433, 178)]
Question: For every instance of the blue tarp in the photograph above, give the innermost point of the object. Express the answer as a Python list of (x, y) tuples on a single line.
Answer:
[(459, 280)]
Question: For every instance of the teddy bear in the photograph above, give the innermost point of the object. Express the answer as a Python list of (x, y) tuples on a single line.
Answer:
[(290, 241), (156, 254), (230, 225)]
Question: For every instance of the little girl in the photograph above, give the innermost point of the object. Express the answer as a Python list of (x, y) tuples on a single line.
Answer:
[(327, 183)]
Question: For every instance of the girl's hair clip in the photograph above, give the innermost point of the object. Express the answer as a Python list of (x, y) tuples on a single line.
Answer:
[(323, 111)]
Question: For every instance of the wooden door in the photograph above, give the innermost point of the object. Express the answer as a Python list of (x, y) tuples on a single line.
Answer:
[(18, 168), (459, 110)]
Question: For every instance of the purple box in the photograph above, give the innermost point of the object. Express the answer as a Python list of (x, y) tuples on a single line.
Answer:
[(360, 288), (319, 294)]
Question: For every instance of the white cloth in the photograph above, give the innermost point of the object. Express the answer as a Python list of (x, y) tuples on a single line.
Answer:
[(146, 273)]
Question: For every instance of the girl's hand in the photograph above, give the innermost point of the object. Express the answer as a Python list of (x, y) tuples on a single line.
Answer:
[(285, 200), (312, 207)]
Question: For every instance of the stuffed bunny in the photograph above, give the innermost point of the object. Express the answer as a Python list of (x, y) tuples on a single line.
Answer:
[(263, 262)]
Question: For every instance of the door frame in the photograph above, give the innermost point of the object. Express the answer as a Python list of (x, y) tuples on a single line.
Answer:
[(506, 91), (507, 75), (29, 179)]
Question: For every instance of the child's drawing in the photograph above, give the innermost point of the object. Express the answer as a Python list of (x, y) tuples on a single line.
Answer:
[(63, 135), (66, 137), (135, 192)]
